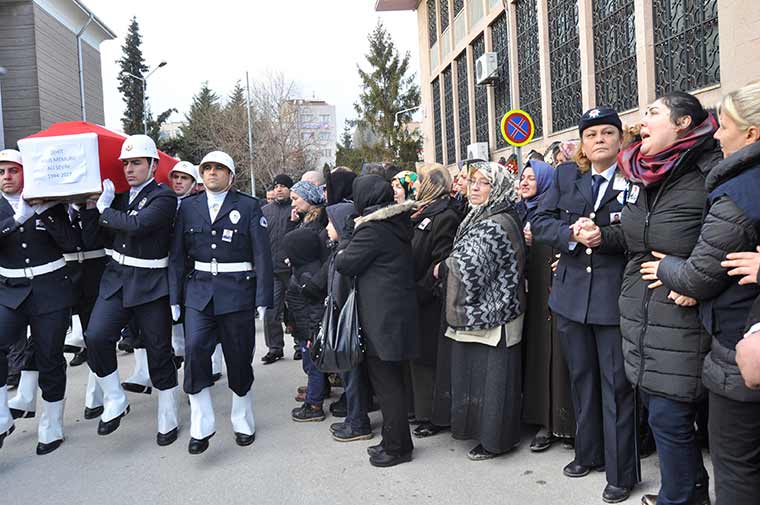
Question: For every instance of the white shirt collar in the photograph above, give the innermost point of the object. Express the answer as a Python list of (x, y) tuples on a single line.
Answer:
[(135, 190), (215, 198), (13, 199), (609, 173)]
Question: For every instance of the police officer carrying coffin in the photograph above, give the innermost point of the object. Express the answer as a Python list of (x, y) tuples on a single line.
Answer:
[(585, 198), (35, 290), (223, 234), (138, 227)]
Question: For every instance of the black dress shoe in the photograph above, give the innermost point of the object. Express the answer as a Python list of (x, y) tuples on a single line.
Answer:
[(271, 357), (108, 427), (3, 435), (383, 460), (93, 413), (339, 408), (649, 499), (136, 388), (164, 439), (297, 356), (197, 446), (614, 494), (43, 449), (178, 361), (427, 430), (215, 377), (541, 442), (127, 345), (71, 349), (79, 358), (22, 414), (242, 439), (12, 381), (375, 449), (575, 470)]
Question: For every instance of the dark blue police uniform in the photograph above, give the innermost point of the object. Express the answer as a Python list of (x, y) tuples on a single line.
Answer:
[(584, 298), (135, 282), (36, 290), (229, 274)]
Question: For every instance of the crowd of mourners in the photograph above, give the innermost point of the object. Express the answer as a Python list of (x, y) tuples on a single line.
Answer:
[(603, 292)]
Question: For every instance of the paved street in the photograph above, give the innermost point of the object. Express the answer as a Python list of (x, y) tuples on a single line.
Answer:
[(289, 463)]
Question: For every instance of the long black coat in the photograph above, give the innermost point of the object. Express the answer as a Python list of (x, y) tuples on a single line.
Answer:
[(434, 231), (664, 345), (379, 255)]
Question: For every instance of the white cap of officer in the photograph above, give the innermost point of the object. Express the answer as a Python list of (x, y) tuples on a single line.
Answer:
[(138, 146), (219, 157), (11, 155), (187, 168)]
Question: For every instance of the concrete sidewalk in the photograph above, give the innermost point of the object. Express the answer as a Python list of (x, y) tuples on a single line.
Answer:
[(290, 463)]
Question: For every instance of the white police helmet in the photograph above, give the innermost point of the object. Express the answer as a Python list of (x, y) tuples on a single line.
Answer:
[(11, 155), (187, 168), (138, 146), (219, 157)]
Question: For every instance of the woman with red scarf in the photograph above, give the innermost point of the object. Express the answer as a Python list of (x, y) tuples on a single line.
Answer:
[(664, 343)]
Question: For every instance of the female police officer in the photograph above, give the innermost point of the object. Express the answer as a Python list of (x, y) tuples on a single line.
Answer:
[(585, 197)]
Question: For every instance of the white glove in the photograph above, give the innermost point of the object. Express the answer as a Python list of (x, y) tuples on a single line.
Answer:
[(261, 311), (175, 313), (107, 196), (42, 207), (24, 212)]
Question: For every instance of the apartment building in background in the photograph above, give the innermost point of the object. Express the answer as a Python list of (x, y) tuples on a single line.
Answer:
[(557, 58)]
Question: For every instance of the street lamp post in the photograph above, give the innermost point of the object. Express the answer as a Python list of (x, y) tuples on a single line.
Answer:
[(144, 81), (2, 126)]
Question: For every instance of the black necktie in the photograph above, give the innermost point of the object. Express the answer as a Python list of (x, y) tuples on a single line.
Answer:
[(596, 183)]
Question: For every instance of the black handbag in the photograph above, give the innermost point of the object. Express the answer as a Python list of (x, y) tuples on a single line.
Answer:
[(338, 346)]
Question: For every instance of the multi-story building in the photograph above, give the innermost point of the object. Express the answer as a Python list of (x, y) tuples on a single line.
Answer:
[(50, 52), (318, 131), (557, 58)]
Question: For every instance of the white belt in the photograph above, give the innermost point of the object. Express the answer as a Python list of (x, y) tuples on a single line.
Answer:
[(214, 267), (32, 272), (86, 255), (123, 259)]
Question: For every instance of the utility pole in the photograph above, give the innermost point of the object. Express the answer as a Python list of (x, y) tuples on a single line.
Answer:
[(250, 133)]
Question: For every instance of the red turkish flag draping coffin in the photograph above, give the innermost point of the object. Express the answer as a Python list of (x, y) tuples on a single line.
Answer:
[(69, 160)]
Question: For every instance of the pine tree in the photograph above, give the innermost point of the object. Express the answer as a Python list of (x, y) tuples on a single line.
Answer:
[(132, 62), (346, 155), (199, 134), (386, 90)]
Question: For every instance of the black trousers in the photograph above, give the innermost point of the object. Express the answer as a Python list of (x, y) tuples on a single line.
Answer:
[(387, 378), (48, 334), (274, 336), (603, 400), (154, 320), (236, 333), (735, 450)]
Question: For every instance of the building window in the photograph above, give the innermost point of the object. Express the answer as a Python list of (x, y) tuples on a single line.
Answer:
[(565, 61), (324, 136), (437, 120), (500, 38), (448, 99), (463, 104), (458, 6), (476, 11), (481, 94), (325, 119), (529, 71), (686, 50), (444, 6), (308, 135), (615, 54), (432, 26)]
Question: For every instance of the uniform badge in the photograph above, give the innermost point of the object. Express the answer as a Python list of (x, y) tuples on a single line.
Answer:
[(227, 236), (234, 216), (142, 203), (263, 222), (424, 224), (39, 225)]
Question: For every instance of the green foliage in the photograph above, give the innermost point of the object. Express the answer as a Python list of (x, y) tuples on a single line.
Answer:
[(197, 134), (132, 62)]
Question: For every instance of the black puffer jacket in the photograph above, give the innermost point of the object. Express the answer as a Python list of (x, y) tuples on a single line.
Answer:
[(664, 345), (731, 224), (302, 249), (278, 224)]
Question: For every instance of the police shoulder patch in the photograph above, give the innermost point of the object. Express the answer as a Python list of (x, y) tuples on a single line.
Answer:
[(263, 222)]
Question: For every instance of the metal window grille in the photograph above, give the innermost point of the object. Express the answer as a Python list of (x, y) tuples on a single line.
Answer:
[(565, 61), (432, 26), (686, 49), (463, 103), (437, 120), (499, 35), (444, 6), (448, 98), (458, 6), (481, 94), (528, 62), (615, 54)]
